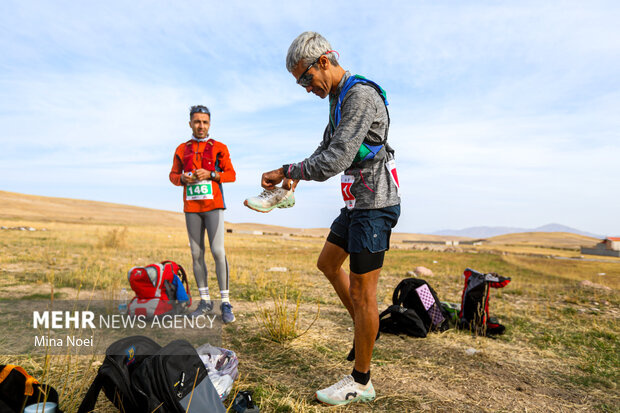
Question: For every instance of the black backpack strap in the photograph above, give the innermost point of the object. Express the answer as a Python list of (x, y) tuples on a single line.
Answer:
[(384, 313), (184, 280), (171, 290), (183, 275), (404, 288), (396, 295), (90, 399)]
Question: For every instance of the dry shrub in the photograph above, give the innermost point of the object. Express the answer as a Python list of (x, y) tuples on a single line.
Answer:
[(280, 322), (114, 238)]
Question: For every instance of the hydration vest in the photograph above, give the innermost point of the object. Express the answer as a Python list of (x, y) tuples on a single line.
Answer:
[(367, 150), (207, 156)]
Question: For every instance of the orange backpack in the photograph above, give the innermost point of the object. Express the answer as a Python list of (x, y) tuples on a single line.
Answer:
[(18, 389)]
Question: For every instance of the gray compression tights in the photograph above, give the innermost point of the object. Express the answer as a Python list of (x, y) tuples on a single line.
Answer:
[(213, 223)]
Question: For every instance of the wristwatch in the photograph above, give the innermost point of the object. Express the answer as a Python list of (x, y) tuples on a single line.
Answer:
[(213, 175)]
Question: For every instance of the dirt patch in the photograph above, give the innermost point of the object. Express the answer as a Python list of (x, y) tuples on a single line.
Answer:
[(44, 291)]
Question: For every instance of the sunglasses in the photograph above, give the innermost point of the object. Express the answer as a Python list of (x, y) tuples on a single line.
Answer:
[(199, 109), (306, 78)]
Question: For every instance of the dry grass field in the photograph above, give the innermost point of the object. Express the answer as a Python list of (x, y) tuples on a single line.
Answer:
[(560, 352)]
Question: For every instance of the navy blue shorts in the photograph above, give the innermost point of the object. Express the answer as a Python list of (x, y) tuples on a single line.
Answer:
[(366, 229)]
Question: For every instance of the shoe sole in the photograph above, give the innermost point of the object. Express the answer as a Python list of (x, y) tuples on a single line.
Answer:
[(357, 399), (256, 209), (265, 210)]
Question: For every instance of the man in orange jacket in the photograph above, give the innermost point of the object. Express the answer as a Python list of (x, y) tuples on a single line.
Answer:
[(201, 165)]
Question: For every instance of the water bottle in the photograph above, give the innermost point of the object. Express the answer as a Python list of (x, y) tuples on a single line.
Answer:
[(43, 407), (122, 305)]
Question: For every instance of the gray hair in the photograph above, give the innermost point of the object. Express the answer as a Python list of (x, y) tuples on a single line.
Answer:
[(306, 48)]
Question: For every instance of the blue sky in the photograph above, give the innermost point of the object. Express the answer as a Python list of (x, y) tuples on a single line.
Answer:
[(503, 113)]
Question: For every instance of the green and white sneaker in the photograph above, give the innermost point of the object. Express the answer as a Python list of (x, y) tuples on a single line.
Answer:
[(346, 391), (268, 200)]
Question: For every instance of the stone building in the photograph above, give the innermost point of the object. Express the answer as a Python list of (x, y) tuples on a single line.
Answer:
[(609, 247)]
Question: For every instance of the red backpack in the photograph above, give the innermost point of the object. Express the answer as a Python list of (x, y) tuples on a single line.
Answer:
[(474, 314), (160, 288)]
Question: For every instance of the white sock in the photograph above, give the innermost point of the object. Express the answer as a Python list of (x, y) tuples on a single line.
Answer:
[(224, 294), (204, 294)]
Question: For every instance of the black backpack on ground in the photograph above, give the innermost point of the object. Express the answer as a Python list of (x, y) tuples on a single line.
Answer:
[(138, 375), (114, 376), (18, 389), (415, 310), (175, 380), (474, 314), (397, 319)]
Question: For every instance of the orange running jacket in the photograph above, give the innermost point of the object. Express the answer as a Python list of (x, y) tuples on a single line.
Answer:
[(220, 162)]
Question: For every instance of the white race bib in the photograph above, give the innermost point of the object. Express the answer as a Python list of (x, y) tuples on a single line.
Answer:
[(346, 182), (391, 167), (199, 190)]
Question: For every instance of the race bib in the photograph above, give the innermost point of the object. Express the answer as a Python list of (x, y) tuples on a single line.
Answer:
[(346, 182), (199, 190), (391, 167)]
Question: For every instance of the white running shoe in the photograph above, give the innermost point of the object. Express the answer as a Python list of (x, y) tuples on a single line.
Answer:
[(268, 200), (346, 391)]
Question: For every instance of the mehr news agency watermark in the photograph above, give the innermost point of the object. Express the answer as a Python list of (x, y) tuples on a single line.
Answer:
[(45, 326), (88, 320)]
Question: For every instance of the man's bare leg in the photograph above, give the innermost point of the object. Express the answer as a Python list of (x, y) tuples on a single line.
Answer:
[(363, 294), (330, 264)]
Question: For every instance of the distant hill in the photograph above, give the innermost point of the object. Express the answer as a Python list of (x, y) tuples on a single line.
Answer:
[(547, 239), (14, 206), (487, 232), (35, 208), (22, 207)]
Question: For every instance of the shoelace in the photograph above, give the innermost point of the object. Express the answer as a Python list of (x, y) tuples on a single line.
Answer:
[(346, 380), (267, 193), (278, 193)]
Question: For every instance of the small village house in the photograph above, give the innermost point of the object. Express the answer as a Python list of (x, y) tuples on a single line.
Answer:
[(610, 247)]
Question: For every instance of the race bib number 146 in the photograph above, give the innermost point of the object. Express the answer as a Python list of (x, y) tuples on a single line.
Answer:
[(199, 190)]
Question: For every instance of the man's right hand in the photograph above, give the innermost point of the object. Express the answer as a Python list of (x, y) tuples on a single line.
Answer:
[(270, 179), (187, 178)]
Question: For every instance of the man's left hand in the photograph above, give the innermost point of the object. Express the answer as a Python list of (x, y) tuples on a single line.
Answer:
[(201, 174)]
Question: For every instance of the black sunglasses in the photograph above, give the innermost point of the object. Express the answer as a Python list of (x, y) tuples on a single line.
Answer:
[(305, 79)]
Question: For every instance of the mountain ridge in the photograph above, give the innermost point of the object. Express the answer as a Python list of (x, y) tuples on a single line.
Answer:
[(489, 231)]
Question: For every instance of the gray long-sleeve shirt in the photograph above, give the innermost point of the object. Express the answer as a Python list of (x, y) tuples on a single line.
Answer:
[(364, 118)]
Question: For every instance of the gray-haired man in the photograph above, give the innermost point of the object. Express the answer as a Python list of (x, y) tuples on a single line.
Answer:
[(354, 142)]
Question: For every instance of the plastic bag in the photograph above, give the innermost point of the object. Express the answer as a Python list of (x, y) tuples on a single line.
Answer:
[(221, 366)]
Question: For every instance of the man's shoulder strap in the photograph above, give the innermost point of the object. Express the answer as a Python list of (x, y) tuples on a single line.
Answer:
[(350, 82), (361, 79)]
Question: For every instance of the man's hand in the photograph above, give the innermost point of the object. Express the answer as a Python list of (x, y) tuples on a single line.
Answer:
[(202, 174), (187, 177), (270, 179), (289, 184)]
